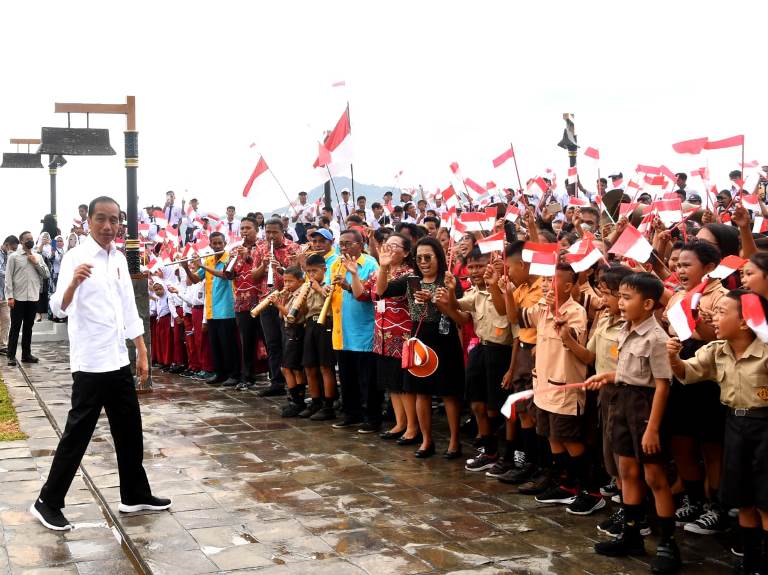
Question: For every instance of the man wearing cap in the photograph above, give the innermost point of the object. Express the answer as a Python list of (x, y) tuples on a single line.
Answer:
[(301, 215), (321, 241), (405, 197), (346, 207)]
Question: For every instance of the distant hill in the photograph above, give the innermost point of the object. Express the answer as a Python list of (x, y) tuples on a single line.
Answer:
[(371, 192)]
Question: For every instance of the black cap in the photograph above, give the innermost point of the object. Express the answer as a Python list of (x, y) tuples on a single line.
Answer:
[(302, 193), (616, 176)]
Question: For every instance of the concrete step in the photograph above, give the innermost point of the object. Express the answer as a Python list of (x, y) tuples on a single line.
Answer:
[(45, 331)]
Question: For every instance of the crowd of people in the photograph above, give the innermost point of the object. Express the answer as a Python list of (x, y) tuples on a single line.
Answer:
[(575, 376)]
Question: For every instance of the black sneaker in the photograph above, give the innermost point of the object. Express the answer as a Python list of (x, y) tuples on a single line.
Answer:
[(611, 489), (347, 422), (324, 414), (518, 475), (622, 546), (29, 359), (12, 362), (214, 380), (51, 518), (710, 522), (614, 525), (242, 386), (667, 560), (151, 504), (3, 351), (687, 512), (481, 462), (368, 428), (500, 468), (557, 494), (272, 391), (585, 504), (230, 382), (538, 483), (310, 410), (291, 410)]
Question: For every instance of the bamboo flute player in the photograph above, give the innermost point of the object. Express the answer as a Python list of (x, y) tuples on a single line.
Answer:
[(96, 295)]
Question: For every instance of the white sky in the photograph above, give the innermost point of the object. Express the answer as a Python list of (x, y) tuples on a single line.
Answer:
[(428, 83)]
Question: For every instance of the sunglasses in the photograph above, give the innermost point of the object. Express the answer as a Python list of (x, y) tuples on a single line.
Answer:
[(424, 258)]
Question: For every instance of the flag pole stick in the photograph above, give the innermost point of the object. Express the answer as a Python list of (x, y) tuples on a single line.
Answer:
[(351, 165), (517, 171), (281, 187), (338, 201)]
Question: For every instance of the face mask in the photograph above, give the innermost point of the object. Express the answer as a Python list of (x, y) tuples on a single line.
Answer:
[(586, 227), (29, 244)]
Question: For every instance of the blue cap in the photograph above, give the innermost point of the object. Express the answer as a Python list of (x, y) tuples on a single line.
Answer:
[(323, 232)]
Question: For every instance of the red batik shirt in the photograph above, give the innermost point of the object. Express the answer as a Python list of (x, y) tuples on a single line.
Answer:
[(246, 294), (286, 255), (392, 319)]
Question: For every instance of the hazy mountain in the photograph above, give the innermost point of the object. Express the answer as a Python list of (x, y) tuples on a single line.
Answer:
[(371, 192)]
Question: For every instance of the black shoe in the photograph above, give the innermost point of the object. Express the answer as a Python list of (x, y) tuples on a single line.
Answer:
[(151, 504), (389, 435), (12, 361), (452, 454), (667, 560), (3, 351), (415, 440), (176, 369), (310, 410), (518, 475), (230, 382), (324, 414), (272, 391), (214, 380), (585, 504), (537, 484), (291, 410), (347, 422), (622, 546), (29, 359), (51, 518), (368, 428), (557, 494), (425, 453)]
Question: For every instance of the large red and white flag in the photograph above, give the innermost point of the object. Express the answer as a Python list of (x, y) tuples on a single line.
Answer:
[(680, 314), (543, 264), (494, 243), (727, 266), (337, 155), (532, 248), (670, 211), (499, 160), (513, 212), (753, 312), (450, 198), (261, 167), (633, 245), (731, 142), (694, 146)]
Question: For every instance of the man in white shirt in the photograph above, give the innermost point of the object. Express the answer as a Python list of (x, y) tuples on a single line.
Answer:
[(231, 225), (346, 207), (172, 212), (96, 295), (302, 214), (362, 203)]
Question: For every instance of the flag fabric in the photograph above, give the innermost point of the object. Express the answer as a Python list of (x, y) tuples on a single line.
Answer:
[(725, 143), (664, 170), (727, 266), (583, 255), (499, 160), (680, 317), (578, 202), (323, 155), (670, 211), (494, 243), (647, 169), (759, 225), (633, 245), (537, 186), (593, 153), (450, 197), (446, 218), (475, 187), (573, 175), (144, 230), (337, 144), (261, 167), (543, 264), (751, 202), (490, 185), (513, 212), (531, 248), (754, 314), (454, 167), (458, 230), (188, 251), (476, 221), (508, 409), (159, 218), (752, 164), (694, 146), (339, 84)]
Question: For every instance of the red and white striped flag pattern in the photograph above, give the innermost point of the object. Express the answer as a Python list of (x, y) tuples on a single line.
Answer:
[(727, 266), (532, 248), (543, 264), (633, 245), (753, 312), (494, 243)]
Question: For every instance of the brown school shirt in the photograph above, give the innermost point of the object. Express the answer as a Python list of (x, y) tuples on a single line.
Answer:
[(556, 365), (709, 298), (604, 342), (526, 296), (643, 354), (301, 316), (314, 303), (489, 325), (743, 382)]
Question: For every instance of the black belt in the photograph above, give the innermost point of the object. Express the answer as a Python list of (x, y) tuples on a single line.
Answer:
[(493, 343), (754, 412), (527, 345), (198, 306)]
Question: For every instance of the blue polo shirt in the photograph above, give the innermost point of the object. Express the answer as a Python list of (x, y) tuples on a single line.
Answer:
[(219, 292), (353, 322)]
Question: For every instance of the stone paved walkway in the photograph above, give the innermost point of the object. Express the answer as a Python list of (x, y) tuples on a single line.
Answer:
[(255, 493)]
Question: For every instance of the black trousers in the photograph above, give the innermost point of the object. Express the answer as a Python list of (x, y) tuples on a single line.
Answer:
[(222, 334), (23, 313), (115, 392), (250, 330), (360, 394), (272, 328)]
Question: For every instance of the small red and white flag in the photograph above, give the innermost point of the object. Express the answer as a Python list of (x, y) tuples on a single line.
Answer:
[(751, 202), (543, 264), (188, 251), (760, 225), (532, 248), (633, 245), (490, 185), (537, 186), (573, 175), (447, 217), (727, 266), (753, 312), (144, 230), (499, 160), (583, 255), (664, 170), (458, 230), (337, 144), (455, 167), (476, 189), (680, 315), (159, 217), (641, 168), (261, 167), (578, 202), (670, 211), (513, 212), (593, 153), (450, 197), (508, 409), (476, 221), (494, 243), (339, 84)]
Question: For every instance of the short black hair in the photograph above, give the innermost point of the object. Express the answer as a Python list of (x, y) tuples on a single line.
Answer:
[(613, 276), (375, 205), (354, 219), (325, 221), (397, 209), (646, 284), (416, 231), (328, 209), (476, 254), (590, 210), (274, 222), (216, 234), (432, 219), (358, 235), (361, 198), (315, 260), (705, 252), (230, 207), (514, 248), (682, 176), (22, 234), (734, 174), (561, 267), (294, 271), (250, 219), (82, 206), (11, 240), (101, 200), (382, 234)]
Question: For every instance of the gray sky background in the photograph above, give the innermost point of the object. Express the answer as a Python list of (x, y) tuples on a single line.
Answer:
[(428, 83)]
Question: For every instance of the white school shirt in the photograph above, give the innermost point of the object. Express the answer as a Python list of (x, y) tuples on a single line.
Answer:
[(102, 314)]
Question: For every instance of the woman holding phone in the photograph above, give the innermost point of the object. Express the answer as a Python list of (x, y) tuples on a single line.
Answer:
[(436, 330)]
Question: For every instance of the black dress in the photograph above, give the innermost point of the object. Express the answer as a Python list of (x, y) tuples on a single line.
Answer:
[(448, 379)]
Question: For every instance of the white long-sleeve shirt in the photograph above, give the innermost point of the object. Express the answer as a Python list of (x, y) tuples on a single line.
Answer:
[(102, 314)]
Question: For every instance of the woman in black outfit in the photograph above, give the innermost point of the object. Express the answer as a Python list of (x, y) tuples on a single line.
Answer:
[(437, 331)]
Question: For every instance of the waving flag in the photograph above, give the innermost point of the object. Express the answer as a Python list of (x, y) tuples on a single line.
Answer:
[(532, 248), (504, 157), (694, 146), (593, 153), (261, 167), (160, 219), (725, 143), (513, 212), (727, 266), (476, 221), (753, 312), (337, 145), (450, 197), (670, 211), (631, 244), (543, 264), (494, 243), (475, 187), (583, 255), (680, 314)]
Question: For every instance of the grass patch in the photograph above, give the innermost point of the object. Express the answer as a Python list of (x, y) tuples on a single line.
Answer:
[(9, 423)]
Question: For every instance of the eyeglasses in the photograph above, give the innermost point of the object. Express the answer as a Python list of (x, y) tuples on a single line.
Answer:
[(392, 246), (346, 244), (424, 258)]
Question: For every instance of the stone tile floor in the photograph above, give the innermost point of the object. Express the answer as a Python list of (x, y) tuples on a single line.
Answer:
[(255, 493)]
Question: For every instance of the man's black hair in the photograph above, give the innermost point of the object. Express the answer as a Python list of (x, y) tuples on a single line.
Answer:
[(432, 219), (514, 248), (215, 234), (590, 210), (315, 260), (646, 284), (375, 205), (101, 200), (567, 269), (274, 222), (11, 240), (705, 252), (476, 254), (250, 219), (230, 207), (360, 198), (614, 275), (82, 206), (328, 209)]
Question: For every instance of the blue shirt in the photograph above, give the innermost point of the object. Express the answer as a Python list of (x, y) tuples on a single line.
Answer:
[(353, 321), (219, 294)]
